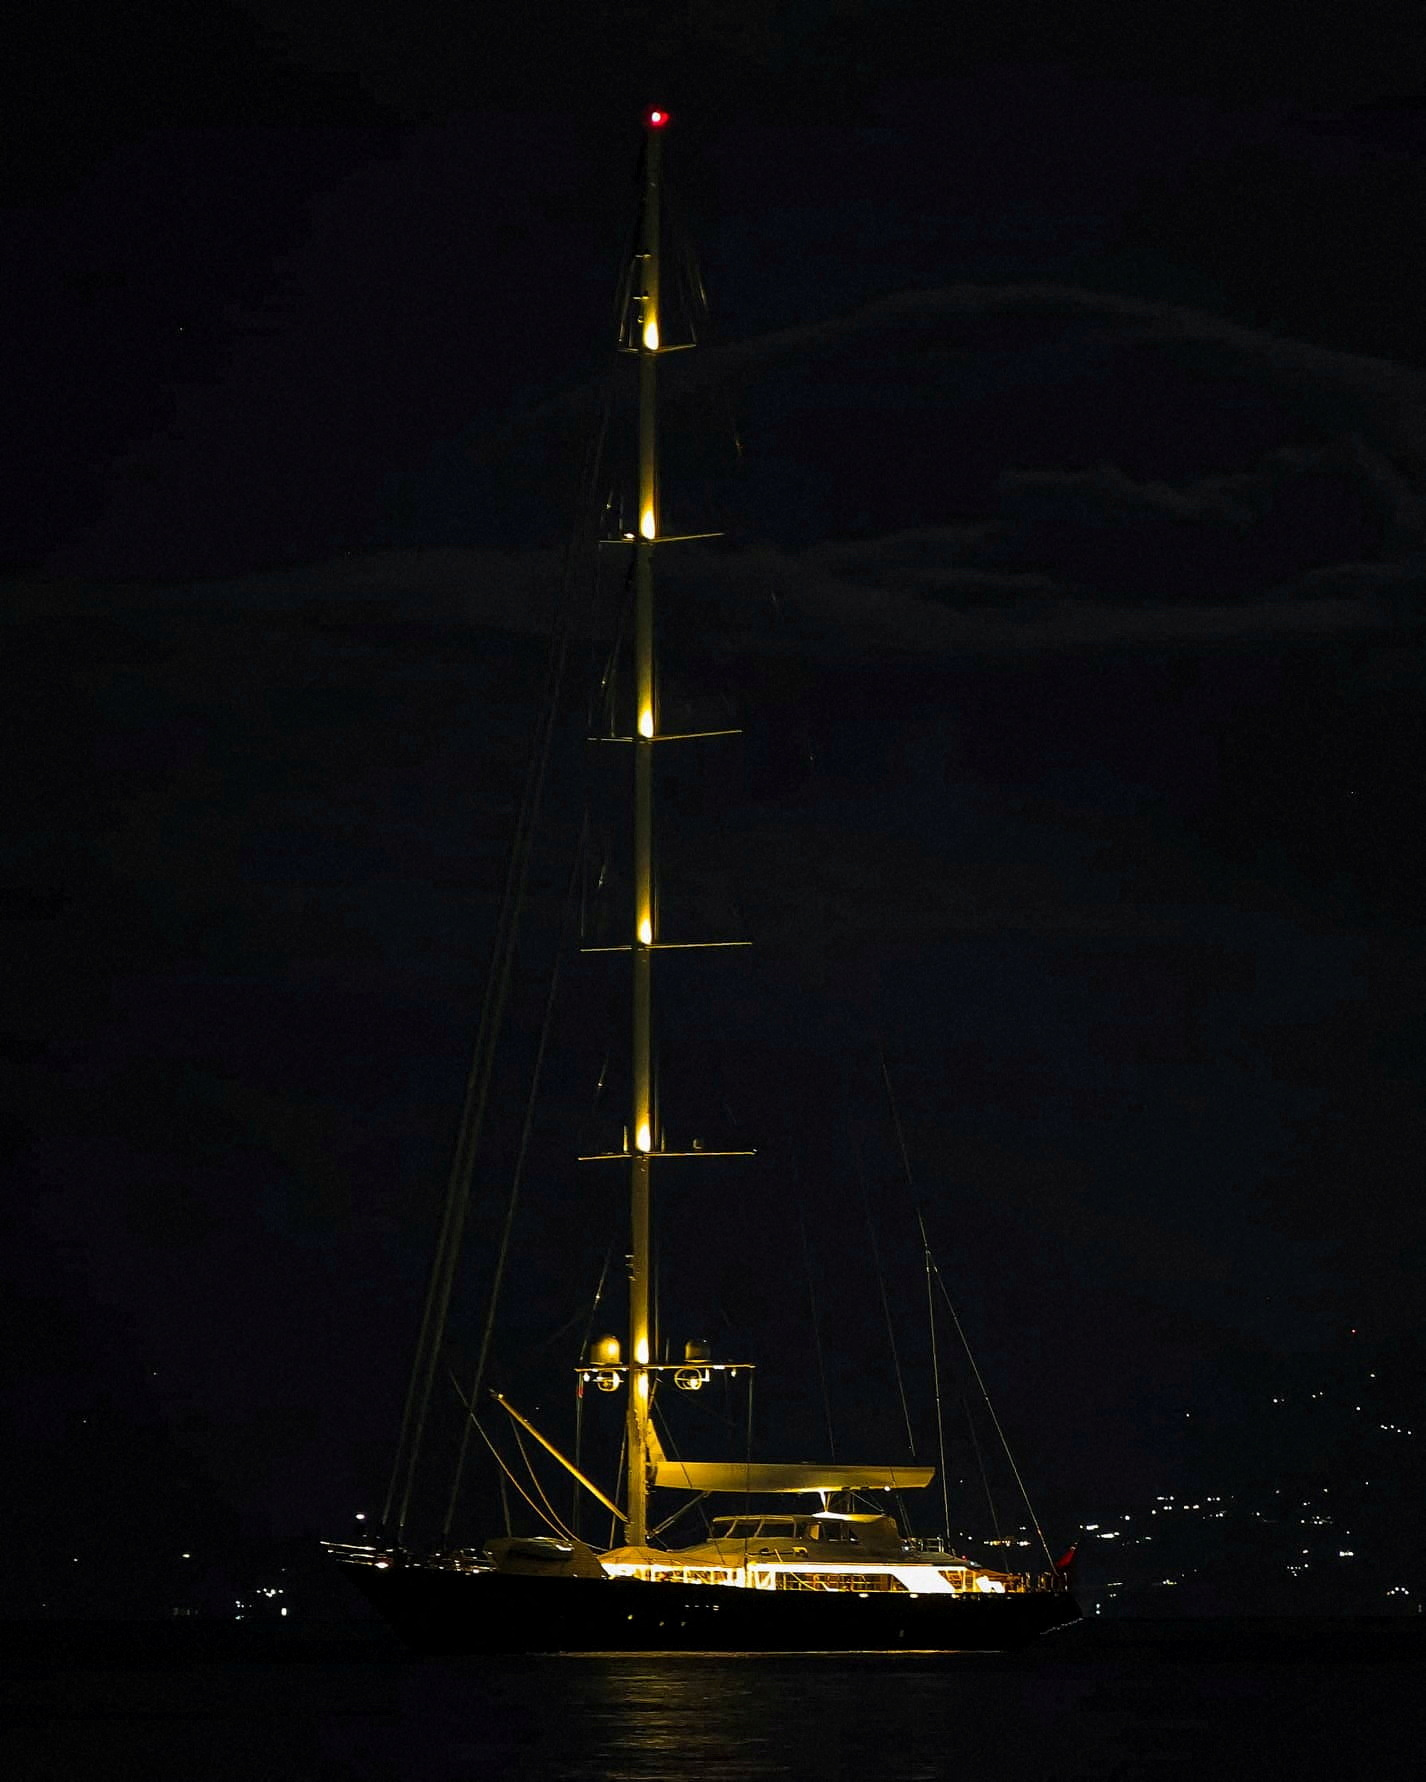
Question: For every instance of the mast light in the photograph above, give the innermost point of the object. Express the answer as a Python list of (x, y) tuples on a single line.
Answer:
[(651, 335), (657, 119)]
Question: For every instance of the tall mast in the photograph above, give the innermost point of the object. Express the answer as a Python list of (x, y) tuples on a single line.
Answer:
[(641, 1125)]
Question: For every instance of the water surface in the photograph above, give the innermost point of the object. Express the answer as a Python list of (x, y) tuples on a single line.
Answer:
[(630, 1718)]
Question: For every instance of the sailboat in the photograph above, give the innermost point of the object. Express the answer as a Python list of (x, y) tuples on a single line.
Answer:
[(832, 1571)]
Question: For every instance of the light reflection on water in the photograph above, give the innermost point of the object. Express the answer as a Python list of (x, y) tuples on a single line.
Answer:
[(747, 1719), (723, 1718), (892, 1718), (649, 1720)]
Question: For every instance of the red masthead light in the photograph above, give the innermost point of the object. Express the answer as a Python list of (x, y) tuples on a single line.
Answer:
[(656, 119)]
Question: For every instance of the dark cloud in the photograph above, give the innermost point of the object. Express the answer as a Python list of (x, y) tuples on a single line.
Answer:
[(1221, 536), (1389, 397), (796, 54), (1310, 536), (1397, 587)]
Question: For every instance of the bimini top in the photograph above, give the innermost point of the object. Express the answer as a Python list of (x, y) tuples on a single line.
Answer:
[(755, 1476)]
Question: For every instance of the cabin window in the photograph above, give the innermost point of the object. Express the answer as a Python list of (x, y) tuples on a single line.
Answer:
[(768, 1528)]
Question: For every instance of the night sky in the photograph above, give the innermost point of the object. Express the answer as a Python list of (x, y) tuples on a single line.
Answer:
[(1063, 403)]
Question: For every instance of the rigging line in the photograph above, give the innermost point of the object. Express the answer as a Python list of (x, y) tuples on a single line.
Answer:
[(976, 1447), (682, 1510), (506, 1472), (748, 1446), (816, 1330), (574, 1496), (600, 706), (930, 1269), (663, 1432), (979, 1452), (504, 1501), (550, 1514), (588, 1118), (598, 1296), (438, 1293), (931, 1313), (885, 1301), (556, 1336), (936, 1384), (605, 700), (618, 1474), (683, 259), (1000, 1433), (502, 1252), (462, 1169), (896, 1123), (624, 292), (578, 1501), (584, 894), (501, 1462)]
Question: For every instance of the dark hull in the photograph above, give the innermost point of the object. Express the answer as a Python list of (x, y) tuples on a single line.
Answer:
[(446, 1611)]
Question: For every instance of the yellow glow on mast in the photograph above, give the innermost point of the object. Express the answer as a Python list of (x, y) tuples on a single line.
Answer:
[(637, 1435)]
